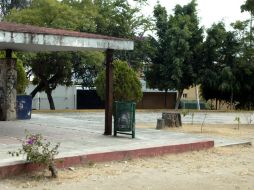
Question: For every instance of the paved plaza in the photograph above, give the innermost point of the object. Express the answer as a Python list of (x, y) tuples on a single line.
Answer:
[(81, 133)]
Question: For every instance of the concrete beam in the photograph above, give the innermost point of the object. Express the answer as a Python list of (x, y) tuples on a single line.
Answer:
[(19, 41)]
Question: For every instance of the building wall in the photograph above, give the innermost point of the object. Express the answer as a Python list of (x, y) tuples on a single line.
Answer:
[(88, 99), (156, 100), (190, 94), (64, 98), (68, 98)]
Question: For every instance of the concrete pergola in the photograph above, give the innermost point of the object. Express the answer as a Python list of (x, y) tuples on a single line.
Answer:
[(19, 37)]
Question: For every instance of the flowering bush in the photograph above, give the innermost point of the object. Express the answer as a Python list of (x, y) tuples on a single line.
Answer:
[(39, 151)]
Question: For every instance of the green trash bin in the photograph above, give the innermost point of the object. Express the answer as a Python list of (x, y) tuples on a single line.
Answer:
[(124, 118)]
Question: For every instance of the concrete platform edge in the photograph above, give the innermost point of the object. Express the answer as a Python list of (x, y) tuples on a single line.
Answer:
[(241, 143), (21, 168)]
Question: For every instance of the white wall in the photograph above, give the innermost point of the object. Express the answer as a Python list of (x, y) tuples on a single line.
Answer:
[(64, 98)]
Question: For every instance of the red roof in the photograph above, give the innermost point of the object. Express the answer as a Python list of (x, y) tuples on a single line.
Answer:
[(13, 27)]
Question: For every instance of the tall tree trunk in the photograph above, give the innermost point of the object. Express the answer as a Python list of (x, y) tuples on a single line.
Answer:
[(53, 170), (50, 99), (37, 89), (42, 84), (178, 99), (165, 98)]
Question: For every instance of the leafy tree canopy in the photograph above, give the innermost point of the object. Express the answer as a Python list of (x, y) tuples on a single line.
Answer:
[(126, 85), (86, 66), (177, 55), (52, 13), (7, 5), (248, 6)]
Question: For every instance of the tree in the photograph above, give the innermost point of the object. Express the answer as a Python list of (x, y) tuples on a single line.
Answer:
[(118, 18), (249, 7), (220, 57), (177, 49), (213, 62), (126, 85), (229, 82), (51, 13), (56, 71), (228, 61), (7, 5), (245, 76), (86, 66), (244, 71)]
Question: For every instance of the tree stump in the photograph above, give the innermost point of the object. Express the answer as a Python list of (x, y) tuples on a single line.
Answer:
[(160, 124), (172, 119)]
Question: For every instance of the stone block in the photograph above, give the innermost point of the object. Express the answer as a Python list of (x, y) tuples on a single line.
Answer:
[(160, 124)]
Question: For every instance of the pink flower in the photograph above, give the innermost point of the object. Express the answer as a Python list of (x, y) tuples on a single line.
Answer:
[(31, 140)]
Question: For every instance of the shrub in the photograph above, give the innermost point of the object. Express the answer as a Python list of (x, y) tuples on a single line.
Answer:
[(126, 85), (37, 150)]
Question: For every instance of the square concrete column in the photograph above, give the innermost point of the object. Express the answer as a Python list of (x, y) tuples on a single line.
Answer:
[(8, 81)]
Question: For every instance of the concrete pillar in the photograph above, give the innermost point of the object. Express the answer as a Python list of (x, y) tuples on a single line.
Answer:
[(8, 81), (109, 92)]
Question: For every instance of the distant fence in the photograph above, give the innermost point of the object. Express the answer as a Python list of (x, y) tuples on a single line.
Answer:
[(192, 104)]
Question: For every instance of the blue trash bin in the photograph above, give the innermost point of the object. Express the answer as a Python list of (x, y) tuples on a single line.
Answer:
[(24, 106)]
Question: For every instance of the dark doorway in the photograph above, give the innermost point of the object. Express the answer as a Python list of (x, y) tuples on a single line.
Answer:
[(88, 99)]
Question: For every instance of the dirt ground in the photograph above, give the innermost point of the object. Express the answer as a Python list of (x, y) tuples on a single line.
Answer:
[(218, 168), (232, 131)]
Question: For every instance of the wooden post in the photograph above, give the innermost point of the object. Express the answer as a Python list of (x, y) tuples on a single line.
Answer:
[(109, 92)]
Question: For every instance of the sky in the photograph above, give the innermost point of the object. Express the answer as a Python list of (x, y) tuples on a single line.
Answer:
[(209, 11)]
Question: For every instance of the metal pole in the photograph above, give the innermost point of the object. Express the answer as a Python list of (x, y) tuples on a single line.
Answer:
[(109, 92), (197, 97)]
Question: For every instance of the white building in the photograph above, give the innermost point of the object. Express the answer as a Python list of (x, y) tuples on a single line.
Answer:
[(64, 98)]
